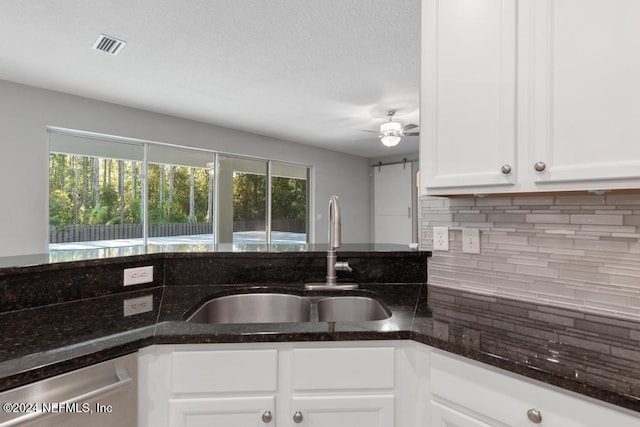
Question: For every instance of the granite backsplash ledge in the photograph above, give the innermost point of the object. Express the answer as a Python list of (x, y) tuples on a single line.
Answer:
[(29, 287), (304, 267), (58, 283)]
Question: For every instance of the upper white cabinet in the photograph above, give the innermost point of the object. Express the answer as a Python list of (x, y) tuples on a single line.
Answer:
[(585, 91), (468, 102), (529, 96)]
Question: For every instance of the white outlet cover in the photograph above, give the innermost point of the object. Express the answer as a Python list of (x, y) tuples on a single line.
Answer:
[(138, 275), (471, 240), (138, 305), (440, 238)]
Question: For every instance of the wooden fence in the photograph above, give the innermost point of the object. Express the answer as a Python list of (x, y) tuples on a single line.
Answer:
[(84, 233)]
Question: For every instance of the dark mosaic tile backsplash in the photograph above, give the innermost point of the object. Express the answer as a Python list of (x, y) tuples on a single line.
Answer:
[(591, 349)]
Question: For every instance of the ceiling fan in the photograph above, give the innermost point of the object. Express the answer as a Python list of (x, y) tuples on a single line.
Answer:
[(391, 132)]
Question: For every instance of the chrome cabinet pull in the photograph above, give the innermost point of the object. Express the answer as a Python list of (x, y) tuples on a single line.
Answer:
[(267, 417), (539, 166), (297, 417), (534, 416), (505, 169)]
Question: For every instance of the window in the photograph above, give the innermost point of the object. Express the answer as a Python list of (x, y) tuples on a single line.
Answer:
[(99, 197), (95, 191), (289, 203), (180, 195)]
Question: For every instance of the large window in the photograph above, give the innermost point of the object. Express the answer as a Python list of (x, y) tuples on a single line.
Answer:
[(95, 191), (117, 193), (180, 195)]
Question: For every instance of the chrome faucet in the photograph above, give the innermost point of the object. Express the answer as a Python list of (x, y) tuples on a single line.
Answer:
[(335, 241)]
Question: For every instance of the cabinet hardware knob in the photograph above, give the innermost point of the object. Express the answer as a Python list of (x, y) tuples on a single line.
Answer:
[(539, 166), (534, 416), (297, 417), (267, 417), (505, 169)]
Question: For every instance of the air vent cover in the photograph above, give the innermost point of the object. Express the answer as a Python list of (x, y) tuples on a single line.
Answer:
[(109, 44)]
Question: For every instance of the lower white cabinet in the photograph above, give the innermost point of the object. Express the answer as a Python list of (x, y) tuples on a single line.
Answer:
[(349, 384), (343, 386), (445, 416), (221, 411), (467, 393), (279, 384), (344, 411)]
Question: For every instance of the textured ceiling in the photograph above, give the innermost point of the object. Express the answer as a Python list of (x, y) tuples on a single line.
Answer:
[(310, 71)]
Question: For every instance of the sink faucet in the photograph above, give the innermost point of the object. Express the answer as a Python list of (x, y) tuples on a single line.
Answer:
[(335, 241)]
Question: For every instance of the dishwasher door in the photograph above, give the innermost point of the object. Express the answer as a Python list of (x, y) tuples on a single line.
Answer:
[(102, 395)]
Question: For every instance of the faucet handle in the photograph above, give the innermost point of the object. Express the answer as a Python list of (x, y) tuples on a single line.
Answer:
[(343, 266)]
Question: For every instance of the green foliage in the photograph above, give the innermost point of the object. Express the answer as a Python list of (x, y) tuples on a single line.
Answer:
[(98, 215), (289, 198), (249, 197), (60, 208), (78, 183)]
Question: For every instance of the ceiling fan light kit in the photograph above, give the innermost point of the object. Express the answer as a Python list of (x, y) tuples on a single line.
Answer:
[(391, 132)]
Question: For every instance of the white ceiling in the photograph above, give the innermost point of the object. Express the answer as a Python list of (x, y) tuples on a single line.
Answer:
[(310, 71)]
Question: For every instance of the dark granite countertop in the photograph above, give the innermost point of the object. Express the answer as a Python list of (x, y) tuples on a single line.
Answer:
[(587, 353)]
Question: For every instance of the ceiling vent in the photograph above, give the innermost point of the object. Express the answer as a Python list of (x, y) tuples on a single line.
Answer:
[(109, 44)]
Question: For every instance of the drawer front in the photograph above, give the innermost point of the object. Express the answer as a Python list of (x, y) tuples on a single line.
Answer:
[(224, 371), (343, 368), (494, 395)]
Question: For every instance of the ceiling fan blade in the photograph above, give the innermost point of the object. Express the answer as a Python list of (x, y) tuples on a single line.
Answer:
[(372, 131), (410, 126), (412, 134)]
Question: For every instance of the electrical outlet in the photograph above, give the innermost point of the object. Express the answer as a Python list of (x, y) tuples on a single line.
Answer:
[(471, 240), (135, 276), (440, 238), (138, 305)]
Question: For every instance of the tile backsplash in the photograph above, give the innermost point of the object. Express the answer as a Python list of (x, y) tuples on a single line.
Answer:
[(580, 252)]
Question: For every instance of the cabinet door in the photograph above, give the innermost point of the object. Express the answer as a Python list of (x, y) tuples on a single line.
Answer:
[(501, 398), (586, 93), (468, 102), (444, 416), (227, 412), (343, 411)]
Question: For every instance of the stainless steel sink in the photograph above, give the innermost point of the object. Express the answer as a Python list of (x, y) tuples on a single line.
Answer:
[(264, 307), (351, 309), (254, 308)]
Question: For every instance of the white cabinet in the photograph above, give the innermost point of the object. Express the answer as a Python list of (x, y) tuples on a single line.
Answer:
[(343, 386), (585, 91), (529, 96), (345, 411), (228, 412), (347, 384), (445, 416), (193, 386), (467, 393), (468, 102), (310, 385)]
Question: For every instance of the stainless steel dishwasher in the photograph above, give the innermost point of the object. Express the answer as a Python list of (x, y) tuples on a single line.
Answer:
[(102, 395)]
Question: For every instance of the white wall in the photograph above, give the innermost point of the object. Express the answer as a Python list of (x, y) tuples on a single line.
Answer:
[(25, 112)]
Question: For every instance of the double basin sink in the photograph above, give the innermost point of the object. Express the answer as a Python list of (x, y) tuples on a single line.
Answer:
[(266, 307)]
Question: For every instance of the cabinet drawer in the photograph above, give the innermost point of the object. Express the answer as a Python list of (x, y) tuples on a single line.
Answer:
[(343, 368), (224, 371), (491, 395)]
